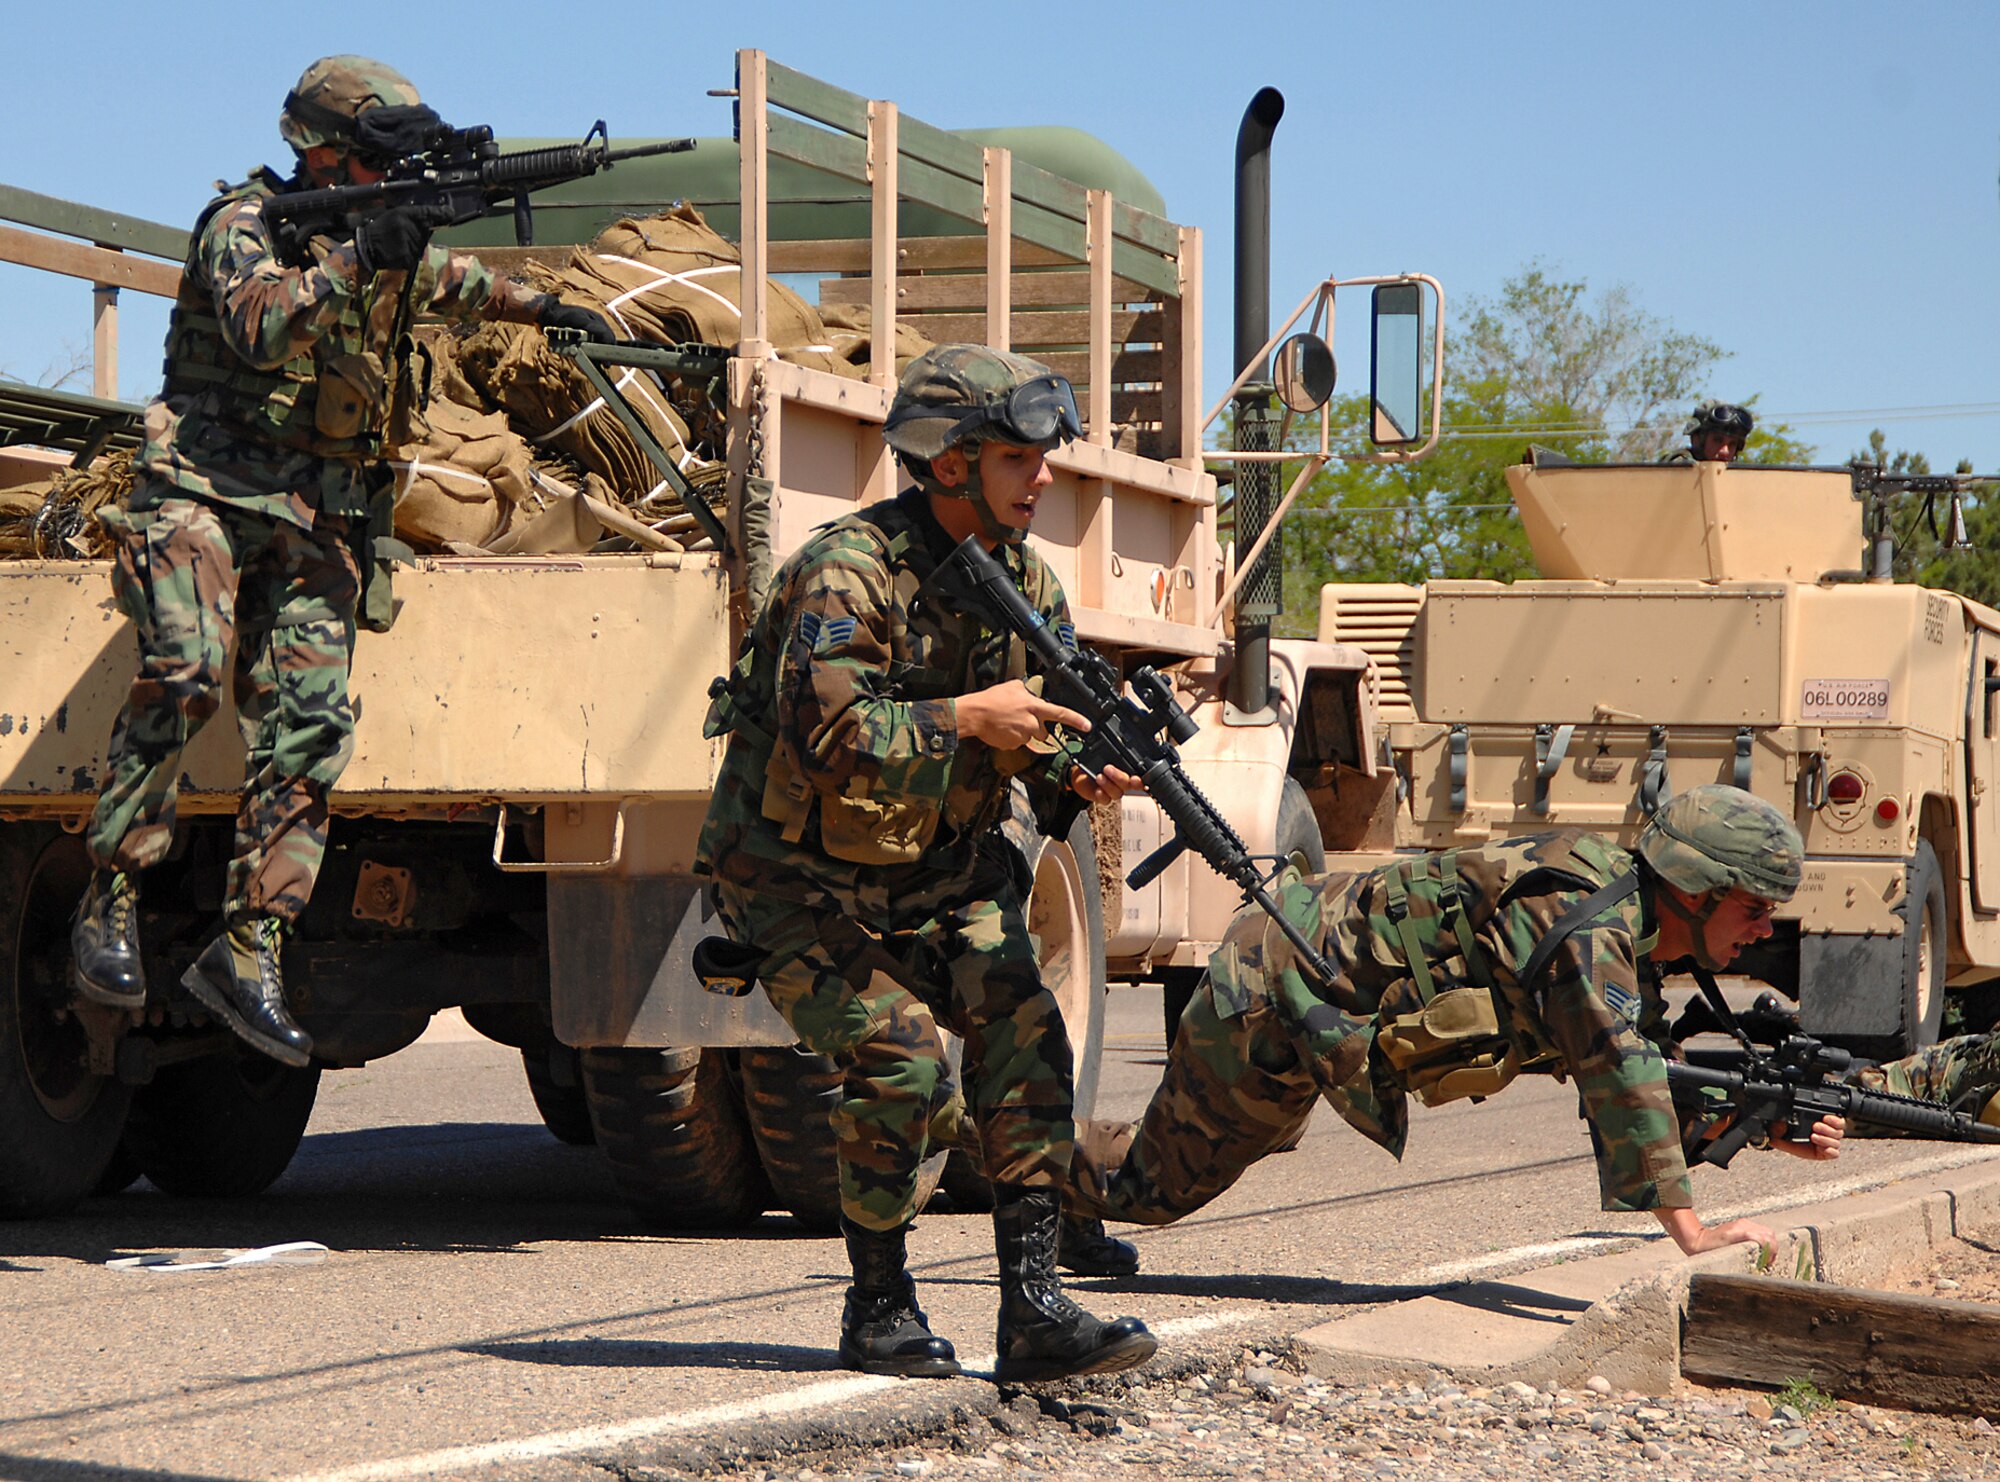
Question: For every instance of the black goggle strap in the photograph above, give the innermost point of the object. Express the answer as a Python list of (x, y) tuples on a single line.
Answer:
[(319, 116)]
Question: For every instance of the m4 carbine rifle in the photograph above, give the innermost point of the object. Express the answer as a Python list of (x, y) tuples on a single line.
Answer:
[(1138, 736), (460, 175), (1797, 1082)]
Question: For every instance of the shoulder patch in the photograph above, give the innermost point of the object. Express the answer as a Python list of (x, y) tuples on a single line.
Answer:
[(1624, 1002), (809, 629), (833, 633), (1066, 632)]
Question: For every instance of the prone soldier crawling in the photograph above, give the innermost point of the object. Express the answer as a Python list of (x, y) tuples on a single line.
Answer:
[(1454, 973)]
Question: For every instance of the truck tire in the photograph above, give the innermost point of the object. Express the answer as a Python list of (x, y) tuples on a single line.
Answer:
[(668, 1121), (1299, 838), (119, 1174), (59, 1124), (788, 1094), (1925, 931), (1066, 913), (221, 1127), (564, 1109)]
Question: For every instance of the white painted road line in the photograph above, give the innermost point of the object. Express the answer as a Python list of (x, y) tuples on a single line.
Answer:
[(602, 1437)]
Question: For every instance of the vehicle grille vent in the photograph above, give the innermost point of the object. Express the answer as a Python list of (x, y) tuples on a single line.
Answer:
[(1380, 618)]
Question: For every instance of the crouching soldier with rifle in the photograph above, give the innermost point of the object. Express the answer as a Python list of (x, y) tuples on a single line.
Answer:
[(876, 728), (257, 516), (1445, 976)]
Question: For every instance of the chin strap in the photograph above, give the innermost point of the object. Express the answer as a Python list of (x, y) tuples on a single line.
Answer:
[(1697, 921), (973, 492)]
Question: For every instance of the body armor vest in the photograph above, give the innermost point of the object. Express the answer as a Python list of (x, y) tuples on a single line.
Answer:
[(865, 824), (332, 401)]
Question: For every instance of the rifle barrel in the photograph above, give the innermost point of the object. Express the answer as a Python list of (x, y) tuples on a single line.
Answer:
[(640, 151)]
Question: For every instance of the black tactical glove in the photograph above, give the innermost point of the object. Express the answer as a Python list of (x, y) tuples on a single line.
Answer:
[(552, 313), (395, 240)]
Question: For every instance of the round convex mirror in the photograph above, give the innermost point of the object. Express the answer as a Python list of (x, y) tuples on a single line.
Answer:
[(1304, 372)]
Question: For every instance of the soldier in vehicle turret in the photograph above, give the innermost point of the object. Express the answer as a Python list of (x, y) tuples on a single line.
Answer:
[(1716, 433), (256, 518), (875, 734)]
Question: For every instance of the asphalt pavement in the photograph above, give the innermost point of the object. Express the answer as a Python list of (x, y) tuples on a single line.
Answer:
[(488, 1307)]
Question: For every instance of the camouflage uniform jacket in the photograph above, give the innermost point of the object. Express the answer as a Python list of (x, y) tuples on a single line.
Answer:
[(1598, 1014), (278, 379), (846, 781)]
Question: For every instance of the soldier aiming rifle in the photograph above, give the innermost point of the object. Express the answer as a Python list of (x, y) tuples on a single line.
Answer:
[(261, 516)]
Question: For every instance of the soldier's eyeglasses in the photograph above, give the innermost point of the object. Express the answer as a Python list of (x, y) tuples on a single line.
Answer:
[(1755, 907)]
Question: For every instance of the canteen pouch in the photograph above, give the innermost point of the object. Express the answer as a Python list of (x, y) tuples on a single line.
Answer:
[(1450, 1049), (866, 832)]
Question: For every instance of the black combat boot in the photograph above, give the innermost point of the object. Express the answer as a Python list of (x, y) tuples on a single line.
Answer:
[(882, 1329), (1083, 1246), (104, 942), (1043, 1334), (237, 979)]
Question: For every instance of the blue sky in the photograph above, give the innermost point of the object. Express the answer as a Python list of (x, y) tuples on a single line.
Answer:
[(1813, 186)]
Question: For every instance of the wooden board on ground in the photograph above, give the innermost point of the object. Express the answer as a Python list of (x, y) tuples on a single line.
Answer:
[(1882, 1348)]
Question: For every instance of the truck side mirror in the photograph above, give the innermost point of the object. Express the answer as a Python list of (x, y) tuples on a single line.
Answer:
[(1396, 369), (1304, 373)]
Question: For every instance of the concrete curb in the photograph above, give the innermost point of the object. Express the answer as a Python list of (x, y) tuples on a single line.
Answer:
[(1619, 1315)]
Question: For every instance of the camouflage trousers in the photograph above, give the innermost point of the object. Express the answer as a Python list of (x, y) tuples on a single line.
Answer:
[(873, 999), (1236, 1090), (195, 578), (1962, 1073)]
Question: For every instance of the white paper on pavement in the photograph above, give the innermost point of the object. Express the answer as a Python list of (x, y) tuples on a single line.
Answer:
[(291, 1253)]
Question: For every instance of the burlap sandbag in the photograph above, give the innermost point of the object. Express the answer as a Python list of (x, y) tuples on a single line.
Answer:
[(548, 399), (55, 518), (461, 483), (671, 277), (850, 331)]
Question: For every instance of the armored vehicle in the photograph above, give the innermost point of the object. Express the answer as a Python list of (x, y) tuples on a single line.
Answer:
[(1713, 622)]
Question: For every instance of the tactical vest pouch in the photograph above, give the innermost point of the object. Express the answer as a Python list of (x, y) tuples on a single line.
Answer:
[(787, 795), (350, 397), (376, 549), (1453, 1047), (866, 832)]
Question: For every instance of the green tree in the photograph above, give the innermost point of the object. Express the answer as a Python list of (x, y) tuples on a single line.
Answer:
[(1545, 364)]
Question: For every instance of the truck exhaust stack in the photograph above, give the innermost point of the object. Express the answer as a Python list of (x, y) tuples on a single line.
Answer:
[(1258, 597)]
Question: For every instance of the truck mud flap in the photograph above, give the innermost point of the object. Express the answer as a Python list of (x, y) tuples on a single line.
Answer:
[(1850, 987), (621, 967)]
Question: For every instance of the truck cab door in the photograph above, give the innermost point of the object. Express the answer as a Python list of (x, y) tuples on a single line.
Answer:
[(1982, 768)]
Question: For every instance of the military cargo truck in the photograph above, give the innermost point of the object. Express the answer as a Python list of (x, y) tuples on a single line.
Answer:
[(514, 834), (1712, 622)]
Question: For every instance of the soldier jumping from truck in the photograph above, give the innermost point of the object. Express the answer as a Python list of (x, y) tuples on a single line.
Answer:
[(259, 516)]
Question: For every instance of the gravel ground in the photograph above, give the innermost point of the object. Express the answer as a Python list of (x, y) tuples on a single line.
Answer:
[(1255, 1413)]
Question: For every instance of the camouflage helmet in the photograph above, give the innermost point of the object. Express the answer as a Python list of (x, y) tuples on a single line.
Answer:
[(332, 91), (1713, 837), (952, 393), (1721, 416)]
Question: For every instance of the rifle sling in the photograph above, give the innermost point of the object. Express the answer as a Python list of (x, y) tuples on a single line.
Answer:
[(1577, 916), (1712, 992)]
